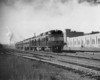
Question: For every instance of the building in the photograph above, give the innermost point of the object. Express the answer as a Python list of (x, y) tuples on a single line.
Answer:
[(69, 33), (81, 40)]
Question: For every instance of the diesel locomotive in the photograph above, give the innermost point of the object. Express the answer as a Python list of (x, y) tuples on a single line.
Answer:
[(52, 40)]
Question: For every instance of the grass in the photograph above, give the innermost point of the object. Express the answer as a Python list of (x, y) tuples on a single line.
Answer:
[(18, 68)]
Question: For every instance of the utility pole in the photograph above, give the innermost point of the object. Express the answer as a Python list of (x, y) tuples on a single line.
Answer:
[(34, 34)]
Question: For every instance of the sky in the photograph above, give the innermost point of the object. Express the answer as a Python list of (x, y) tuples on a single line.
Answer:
[(20, 19)]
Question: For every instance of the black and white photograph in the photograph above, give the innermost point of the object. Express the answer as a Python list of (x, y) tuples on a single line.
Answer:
[(49, 39)]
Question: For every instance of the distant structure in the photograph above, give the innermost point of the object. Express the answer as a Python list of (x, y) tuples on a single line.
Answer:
[(34, 34), (69, 33), (94, 32)]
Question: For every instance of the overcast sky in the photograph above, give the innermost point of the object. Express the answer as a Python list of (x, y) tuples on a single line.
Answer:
[(22, 18)]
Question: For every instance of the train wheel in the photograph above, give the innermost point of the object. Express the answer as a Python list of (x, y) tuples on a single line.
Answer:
[(34, 49), (53, 49), (59, 49), (31, 48), (56, 49), (42, 49)]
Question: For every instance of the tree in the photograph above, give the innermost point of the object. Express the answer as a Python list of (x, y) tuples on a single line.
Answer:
[(1, 46)]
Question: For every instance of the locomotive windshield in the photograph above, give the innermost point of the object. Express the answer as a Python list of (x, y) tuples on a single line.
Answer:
[(56, 32)]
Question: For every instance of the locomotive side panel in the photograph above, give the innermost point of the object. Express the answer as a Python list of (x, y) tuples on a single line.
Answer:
[(43, 42), (19, 45), (32, 43), (26, 44)]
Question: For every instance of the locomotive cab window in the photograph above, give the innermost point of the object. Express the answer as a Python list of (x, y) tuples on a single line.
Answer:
[(56, 32)]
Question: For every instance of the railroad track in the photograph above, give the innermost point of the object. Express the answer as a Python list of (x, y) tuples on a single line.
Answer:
[(88, 66), (85, 55)]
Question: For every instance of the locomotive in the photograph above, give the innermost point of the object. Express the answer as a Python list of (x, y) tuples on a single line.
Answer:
[(52, 40)]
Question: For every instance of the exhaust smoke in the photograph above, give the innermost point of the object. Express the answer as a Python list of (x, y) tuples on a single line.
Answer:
[(9, 36)]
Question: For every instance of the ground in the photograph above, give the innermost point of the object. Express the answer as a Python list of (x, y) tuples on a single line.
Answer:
[(18, 68)]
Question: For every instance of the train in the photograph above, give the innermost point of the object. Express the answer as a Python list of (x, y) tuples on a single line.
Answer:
[(57, 41), (49, 41)]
